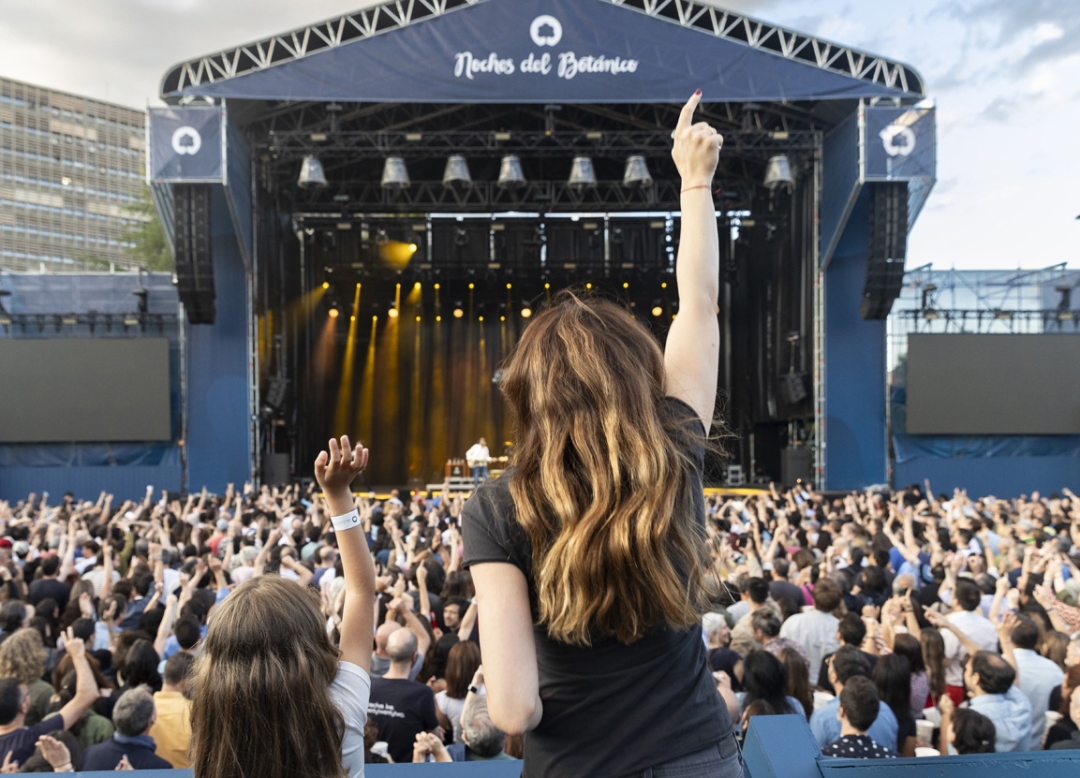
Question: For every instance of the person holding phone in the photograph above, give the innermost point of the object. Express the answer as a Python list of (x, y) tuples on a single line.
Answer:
[(589, 556)]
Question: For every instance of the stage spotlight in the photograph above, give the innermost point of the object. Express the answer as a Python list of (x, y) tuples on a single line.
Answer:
[(395, 175), (481, 318), (663, 285), (778, 172), (471, 286), (511, 176), (418, 318), (416, 285), (509, 286), (582, 173), (457, 172), (412, 249), (588, 286), (625, 285), (637, 173), (502, 318), (526, 312), (326, 285), (547, 286), (392, 313), (458, 312), (437, 287), (657, 309), (438, 318), (312, 175), (334, 310)]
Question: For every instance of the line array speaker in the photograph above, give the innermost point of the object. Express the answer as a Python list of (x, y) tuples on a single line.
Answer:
[(888, 248), (194, 259)]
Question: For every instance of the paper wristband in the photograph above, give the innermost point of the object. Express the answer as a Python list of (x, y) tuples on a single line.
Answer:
[(350, 520)]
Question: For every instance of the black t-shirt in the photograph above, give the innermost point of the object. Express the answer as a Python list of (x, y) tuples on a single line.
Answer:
[(49, 588), (401, 709), (611, 709), (22, 742)]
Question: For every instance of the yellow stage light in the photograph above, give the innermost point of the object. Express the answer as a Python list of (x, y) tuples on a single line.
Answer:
[(437, 287), (325, 284), (413, 247), (416, 285), (509, 286), (458, 313), (418, 318), (657, 311), (352, 318), (547, 286), (333, 313), (588, 286), (392, 313), (481, 318), (438, 318), (526, 313), (471, 285), (663, 285), (502, 318), (625, 285)]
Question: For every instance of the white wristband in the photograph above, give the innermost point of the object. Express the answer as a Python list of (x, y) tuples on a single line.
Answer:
[(350, 520)]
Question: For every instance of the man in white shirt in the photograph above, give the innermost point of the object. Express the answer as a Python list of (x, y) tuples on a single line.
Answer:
[(477, 457), (1038, 675), (815, 630), (966, 618)]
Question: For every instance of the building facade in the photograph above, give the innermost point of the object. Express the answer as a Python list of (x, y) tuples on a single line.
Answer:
[(71, 175)]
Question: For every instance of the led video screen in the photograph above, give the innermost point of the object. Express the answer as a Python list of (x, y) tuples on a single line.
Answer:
[(65, 390), (993, 384)]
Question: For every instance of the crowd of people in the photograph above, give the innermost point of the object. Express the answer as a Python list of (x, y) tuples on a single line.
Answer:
[(880, 618)]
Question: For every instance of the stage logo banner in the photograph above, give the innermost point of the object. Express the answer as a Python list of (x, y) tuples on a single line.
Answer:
[(185, 145), (899, 144), (543, 51)]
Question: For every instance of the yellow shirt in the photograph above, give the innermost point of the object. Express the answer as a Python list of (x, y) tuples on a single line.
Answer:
[(172, 730)]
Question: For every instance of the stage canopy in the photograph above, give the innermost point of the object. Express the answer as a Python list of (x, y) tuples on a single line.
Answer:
[(541, 51)]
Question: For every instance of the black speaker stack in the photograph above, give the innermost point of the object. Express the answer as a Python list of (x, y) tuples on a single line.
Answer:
[(888, 248), (194, 259)]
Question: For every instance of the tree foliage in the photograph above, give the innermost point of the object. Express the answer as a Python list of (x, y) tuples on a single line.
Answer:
[(151, 249)]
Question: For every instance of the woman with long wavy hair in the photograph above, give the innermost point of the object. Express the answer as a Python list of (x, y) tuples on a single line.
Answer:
[(273, 697), (589, 555)]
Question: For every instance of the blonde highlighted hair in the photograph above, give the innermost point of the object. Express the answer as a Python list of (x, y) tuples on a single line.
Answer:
[(602, 477), (22, 656)]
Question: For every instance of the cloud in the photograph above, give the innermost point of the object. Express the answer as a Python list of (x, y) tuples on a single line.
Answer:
[(1001, 110)]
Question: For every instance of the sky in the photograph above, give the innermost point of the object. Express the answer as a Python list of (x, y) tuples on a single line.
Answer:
[(1005, 75)]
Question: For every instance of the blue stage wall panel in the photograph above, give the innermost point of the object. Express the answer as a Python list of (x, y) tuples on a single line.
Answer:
[(1005, 477), (854, 366), (124, 482), (218, 430)]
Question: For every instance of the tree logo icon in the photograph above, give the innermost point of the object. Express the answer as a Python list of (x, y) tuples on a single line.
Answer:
[(899, 141), (546, 31), (186, 140)]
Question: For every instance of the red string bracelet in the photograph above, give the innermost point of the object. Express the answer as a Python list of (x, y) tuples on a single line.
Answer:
[(692, 188)]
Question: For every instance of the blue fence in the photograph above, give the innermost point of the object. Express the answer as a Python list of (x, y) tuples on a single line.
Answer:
[(783, 747), (503, 769)]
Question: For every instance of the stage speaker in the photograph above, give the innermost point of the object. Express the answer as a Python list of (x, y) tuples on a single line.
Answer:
[(796, 463), (276, 393), (194, 259), (275, 469), (888, 248)]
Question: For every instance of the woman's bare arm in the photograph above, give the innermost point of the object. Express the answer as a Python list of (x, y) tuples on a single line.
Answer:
[(692, 353)]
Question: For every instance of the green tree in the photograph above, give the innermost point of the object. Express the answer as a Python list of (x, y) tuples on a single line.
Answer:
[(151, 249)]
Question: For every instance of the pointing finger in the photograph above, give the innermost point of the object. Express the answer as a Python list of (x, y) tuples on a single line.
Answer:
[(687, 114)]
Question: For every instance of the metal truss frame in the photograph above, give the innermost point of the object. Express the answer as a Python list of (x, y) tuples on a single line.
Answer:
[(788, 44), (488, 196), (396, 14), (376, 145), (88, 321)]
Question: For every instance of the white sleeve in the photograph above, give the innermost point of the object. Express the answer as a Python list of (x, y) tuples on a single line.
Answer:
[(350, 692)]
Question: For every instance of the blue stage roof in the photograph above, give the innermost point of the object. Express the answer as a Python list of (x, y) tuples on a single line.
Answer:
[(541, 51)]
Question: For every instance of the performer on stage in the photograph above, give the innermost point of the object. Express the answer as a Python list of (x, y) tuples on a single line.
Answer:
[(478, 458), (589, 555)]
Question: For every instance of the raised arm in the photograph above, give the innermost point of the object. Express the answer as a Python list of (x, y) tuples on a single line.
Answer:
[(86, 690), (335, 471), (692, 353)]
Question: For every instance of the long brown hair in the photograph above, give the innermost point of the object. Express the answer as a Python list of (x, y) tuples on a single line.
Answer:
[(261, 704), (798, 679), (933, 651), (601, 483), (461, 666)]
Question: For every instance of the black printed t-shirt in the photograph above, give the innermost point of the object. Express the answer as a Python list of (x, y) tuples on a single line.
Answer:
[(401, 709), (612, 709)]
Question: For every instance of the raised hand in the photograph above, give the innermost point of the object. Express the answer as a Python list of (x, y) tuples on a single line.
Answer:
[(74, 646), (55, 752), (338, 469), (697, 146)]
